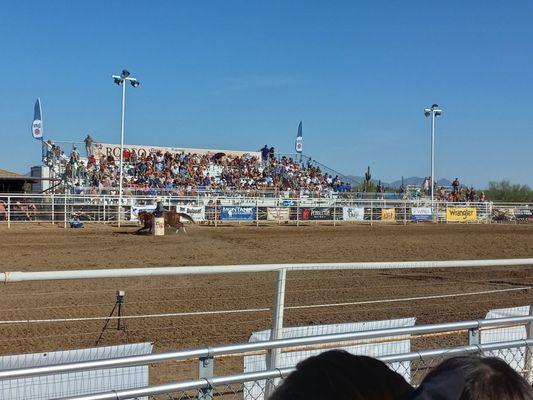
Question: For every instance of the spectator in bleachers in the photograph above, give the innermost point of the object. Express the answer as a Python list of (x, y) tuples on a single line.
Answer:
[(339, 375), (473, 378), (89, 143)]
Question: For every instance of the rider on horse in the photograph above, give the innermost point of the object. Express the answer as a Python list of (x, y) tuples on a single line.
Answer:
[(159, 209)]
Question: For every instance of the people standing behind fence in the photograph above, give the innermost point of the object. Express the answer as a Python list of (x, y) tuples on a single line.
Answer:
[(473, 378), (339, 375), (455, 185)]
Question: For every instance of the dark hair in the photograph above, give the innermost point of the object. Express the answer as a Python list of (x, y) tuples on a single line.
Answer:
[(473, 378), (339, 375)]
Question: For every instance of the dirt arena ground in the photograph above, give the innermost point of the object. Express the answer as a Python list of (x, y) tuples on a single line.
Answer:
[(27, 309)]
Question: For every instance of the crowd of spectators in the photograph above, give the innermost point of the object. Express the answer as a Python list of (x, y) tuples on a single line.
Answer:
[(172, 171), (342, 376)]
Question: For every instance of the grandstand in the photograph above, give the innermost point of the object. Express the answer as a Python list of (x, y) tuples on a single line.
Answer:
[(170, 169)]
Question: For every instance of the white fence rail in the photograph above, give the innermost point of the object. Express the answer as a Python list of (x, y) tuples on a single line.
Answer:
[(208, 383), (59, 209)]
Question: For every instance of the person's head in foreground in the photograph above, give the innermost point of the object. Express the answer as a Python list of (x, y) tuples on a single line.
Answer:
[(340, 375), (473, 378)]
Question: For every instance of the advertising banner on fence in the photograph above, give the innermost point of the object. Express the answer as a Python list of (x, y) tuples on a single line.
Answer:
[(278, 213), (523, 214), (461, 214), (236, 213), (353, 213), (136, 209), (421, 214), (316, 213), (388, 214), (196, 212)]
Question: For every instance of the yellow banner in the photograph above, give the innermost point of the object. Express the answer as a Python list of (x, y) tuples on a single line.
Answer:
[(461, 214), (388, 214)]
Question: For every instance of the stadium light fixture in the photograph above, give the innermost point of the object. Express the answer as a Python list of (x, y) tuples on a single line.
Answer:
[(433, 111), (121, 81)]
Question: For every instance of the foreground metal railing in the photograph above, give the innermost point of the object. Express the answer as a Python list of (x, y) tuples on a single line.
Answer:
[(472, 327), (207, 387)]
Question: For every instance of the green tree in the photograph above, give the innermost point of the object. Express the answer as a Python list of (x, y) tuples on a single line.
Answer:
[(509, 192)]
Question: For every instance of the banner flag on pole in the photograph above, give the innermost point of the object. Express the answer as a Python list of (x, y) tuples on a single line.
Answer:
[(37, 125), (299, 140)]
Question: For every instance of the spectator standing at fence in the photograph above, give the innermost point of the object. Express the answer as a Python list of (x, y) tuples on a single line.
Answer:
[(89, 143), (339, 375)]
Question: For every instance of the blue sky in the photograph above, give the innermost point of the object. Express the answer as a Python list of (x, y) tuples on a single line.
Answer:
[(241, 74)]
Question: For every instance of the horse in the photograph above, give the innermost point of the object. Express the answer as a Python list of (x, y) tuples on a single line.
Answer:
[(172, 219)]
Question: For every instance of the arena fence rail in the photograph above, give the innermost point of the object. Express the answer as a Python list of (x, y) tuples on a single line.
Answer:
[(244, 209), (277, 303)]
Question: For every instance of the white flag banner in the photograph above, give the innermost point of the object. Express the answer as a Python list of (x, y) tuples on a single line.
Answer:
[(37, 125)]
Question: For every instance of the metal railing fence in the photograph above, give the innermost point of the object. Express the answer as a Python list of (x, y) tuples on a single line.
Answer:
[(208, 385), (58, 209), (206, 357)]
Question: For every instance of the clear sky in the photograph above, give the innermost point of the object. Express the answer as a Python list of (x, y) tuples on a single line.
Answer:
[(241, 74)]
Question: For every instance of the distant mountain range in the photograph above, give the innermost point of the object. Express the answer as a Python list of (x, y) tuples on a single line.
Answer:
[(413, 180)]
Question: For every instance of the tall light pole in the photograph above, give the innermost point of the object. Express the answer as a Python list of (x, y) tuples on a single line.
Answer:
[(433, 112), (121, 80)]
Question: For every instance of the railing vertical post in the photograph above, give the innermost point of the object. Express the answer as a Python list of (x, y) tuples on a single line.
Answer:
[(257, 211), (65, 210), (277, 326), (529, 352), (405, 212), (103, 211), (298, 212), (473, 336), (334, 212), (9, 211), (205, 371), (371, 212), (53, 217)]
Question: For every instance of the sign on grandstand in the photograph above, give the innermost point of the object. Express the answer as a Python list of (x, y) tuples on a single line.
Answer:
[(278, 213), (236, 213), (421, 214), (106, 149), (386, 346), (316, 213), (69, 384), (353, 213), (197, 213), (388, 214), (461, 214)]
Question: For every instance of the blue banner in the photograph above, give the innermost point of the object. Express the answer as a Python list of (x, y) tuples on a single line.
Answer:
[(237, 213)]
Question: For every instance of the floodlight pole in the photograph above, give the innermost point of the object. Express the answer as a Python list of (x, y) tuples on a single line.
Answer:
[(122, 79), (432, 154), (121, 152)]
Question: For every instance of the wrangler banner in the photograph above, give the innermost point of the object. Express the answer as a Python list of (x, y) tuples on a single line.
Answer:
[(461, 214), (278, 213), (388, 214)]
